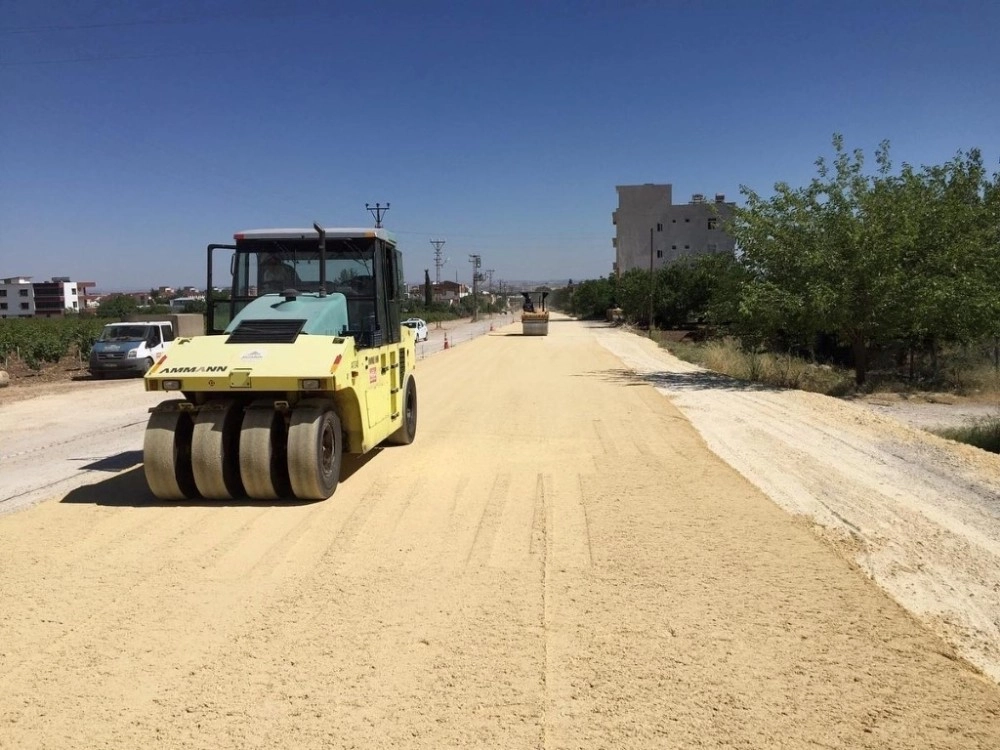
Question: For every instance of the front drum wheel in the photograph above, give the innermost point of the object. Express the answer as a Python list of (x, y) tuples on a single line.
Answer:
[(315, 450), (263, 442), (166, 454), (215, 450)]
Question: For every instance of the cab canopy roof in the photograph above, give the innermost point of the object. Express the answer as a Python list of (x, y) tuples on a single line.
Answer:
[(334, 233)]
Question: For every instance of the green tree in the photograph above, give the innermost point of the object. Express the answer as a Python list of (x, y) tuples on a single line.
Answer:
[(871, 258), (950, 251), (632, 295), (561, 298), (118, 306), (592, 298), (812, 266), (724, 276)]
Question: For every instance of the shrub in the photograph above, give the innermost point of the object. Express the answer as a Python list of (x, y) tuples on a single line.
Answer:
[(36, 341), (729, 357)]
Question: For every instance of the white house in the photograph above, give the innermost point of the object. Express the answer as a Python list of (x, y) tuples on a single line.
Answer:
[(17, 297)]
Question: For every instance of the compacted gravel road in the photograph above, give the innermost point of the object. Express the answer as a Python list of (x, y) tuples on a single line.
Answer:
[(589, 545)]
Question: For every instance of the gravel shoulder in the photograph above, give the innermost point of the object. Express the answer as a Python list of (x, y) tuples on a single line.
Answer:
[(933, 412)]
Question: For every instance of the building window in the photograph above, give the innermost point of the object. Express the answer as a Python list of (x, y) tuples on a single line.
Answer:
[(673, 221), (23, 292), (659, 227), (25, 306), (673, 247), (687, 247), (3, 305), (713, 222), (659, 253), (686, 220), (3, 292)]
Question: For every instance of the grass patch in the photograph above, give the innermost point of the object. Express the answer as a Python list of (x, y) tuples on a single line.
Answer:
[(983, 433), (727, 357), (963, 371)]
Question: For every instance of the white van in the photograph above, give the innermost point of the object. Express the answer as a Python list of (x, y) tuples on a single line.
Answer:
[(130, 347)]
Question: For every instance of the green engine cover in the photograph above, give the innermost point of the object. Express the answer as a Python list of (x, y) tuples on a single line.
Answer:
[(324, 316)]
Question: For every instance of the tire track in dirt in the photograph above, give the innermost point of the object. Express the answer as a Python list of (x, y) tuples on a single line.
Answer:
[(489, 520)]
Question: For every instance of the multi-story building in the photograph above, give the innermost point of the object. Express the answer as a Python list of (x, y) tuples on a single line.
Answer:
[(651, 229), (17, 297), (55, 298), (20, 297)]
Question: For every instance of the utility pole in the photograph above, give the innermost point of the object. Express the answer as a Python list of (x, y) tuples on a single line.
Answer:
[(377, 210), (476, 262), (650, 282), (489, 274), (438, 263)]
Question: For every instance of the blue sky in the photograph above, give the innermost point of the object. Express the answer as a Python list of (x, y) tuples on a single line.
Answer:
[(132, 134)]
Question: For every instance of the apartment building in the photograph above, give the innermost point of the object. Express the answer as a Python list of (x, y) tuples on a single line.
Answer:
[(17, 297), (650, 227), (54, 298), (20, 297)]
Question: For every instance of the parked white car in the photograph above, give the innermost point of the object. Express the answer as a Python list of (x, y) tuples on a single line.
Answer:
[(419, 327)]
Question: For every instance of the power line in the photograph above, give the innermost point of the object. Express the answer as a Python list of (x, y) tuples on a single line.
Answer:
[(179, 20), (102, 58), (512, 236)]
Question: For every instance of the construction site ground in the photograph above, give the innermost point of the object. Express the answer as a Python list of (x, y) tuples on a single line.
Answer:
[(590, 545)]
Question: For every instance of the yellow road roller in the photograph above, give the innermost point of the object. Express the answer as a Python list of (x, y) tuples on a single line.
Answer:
[(305, 358), (534, 318)]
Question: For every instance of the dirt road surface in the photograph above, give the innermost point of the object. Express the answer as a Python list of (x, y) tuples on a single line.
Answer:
[(561, 560)]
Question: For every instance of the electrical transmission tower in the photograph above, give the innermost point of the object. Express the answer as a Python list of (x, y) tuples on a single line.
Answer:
[(489, 274), (438, 262)]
